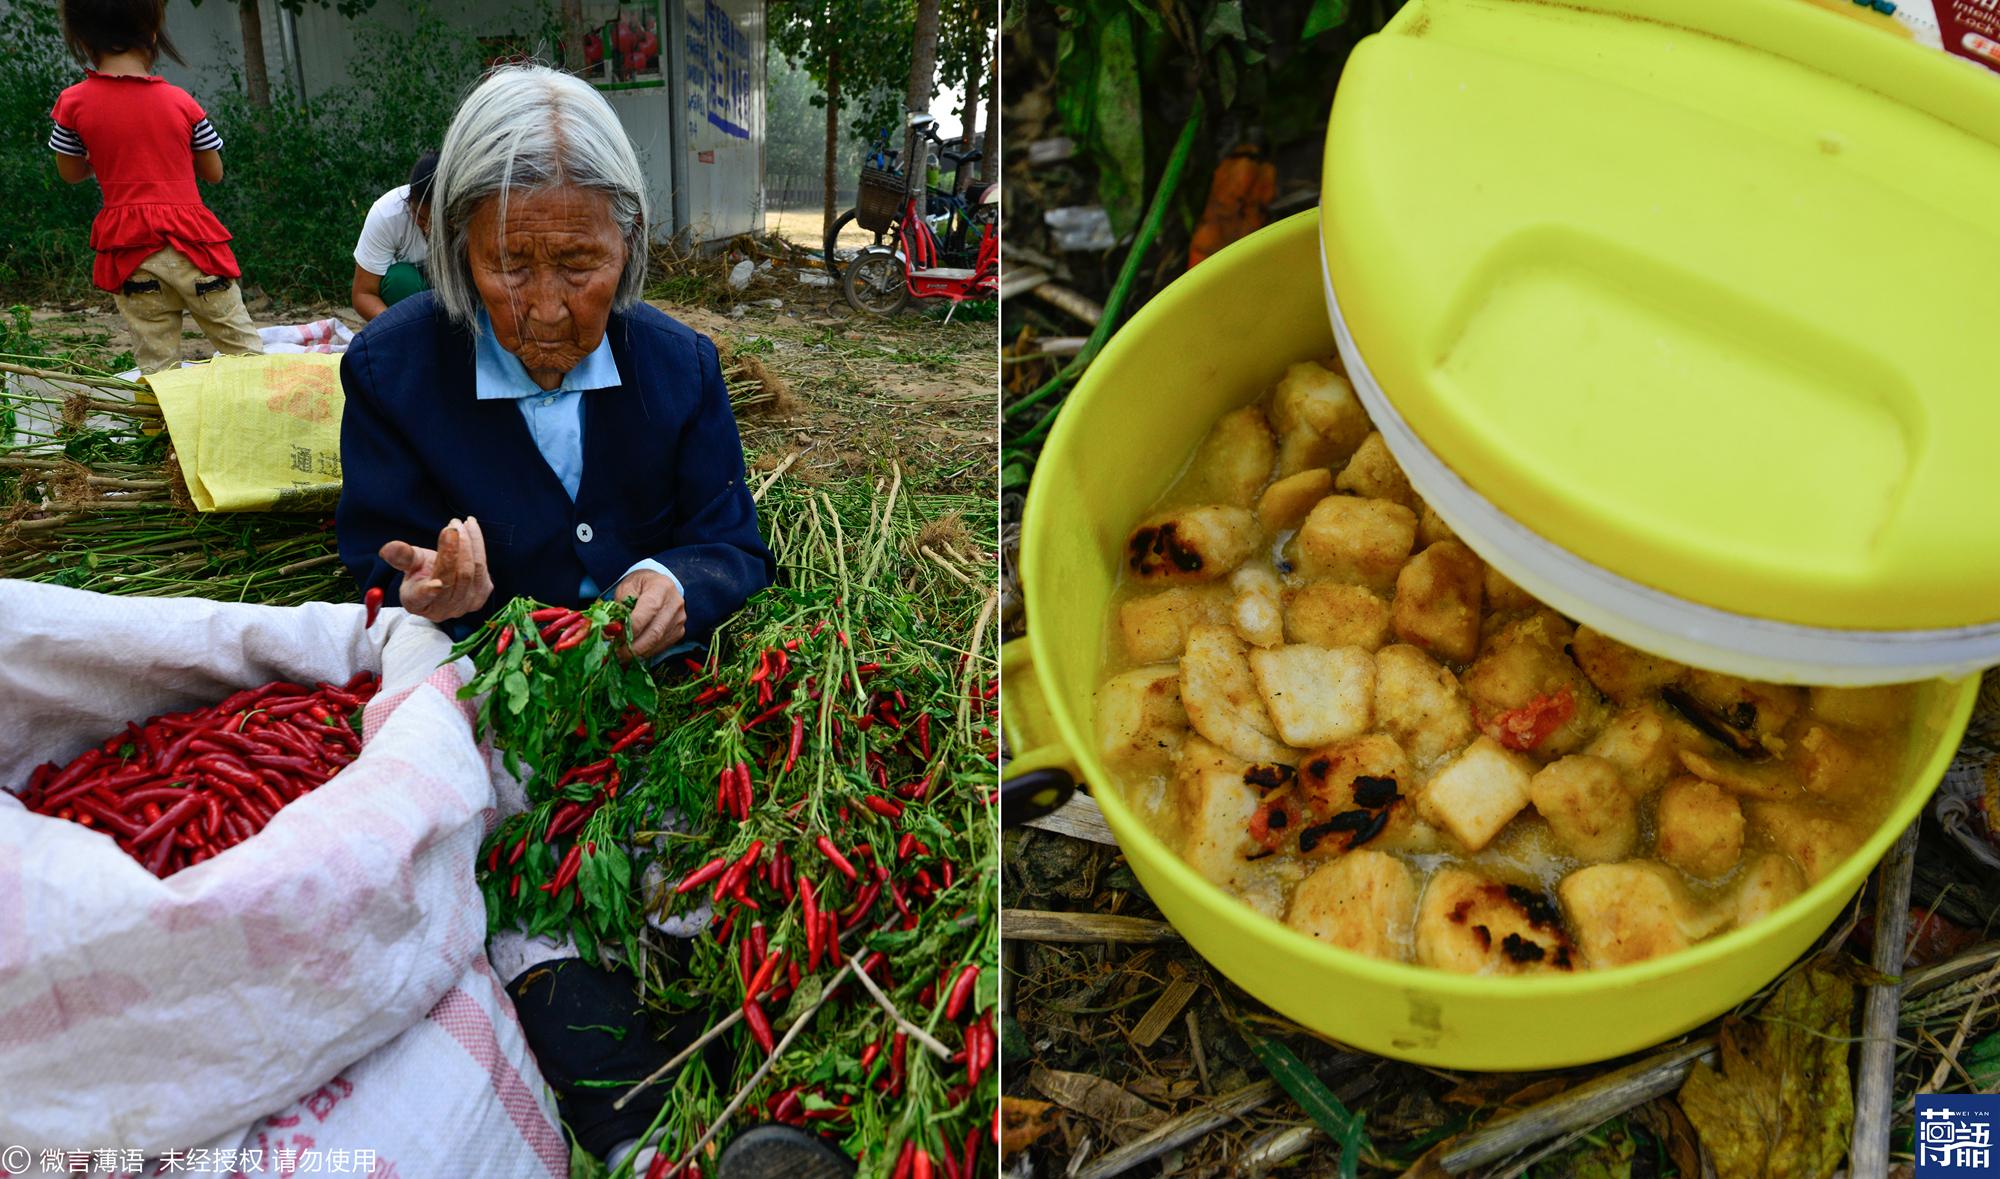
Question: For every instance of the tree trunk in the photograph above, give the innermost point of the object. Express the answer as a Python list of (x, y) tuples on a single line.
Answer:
[(255, 79), (989, 163), (974, 74), (831, 180), (572, 26), (923, 77)]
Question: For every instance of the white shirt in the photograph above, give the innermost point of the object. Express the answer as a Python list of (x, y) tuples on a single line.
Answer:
[(390, 234)]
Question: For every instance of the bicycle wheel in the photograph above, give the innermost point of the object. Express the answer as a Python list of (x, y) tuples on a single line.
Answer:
[(873, 283), (832, 247)]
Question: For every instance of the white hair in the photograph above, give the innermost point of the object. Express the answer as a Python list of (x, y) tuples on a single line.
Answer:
[(531, 127)]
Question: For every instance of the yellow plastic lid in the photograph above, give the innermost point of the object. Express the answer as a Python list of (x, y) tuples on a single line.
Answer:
[(1705, 292)]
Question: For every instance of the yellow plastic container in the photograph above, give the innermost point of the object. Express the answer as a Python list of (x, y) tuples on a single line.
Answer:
[(1212, 341)]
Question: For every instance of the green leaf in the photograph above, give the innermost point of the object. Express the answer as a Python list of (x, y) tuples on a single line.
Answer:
[(1121, 132), (1326, 1111), (1225, 76), (516, 687), (1326, 15), (1225, 21), (1146, 13)]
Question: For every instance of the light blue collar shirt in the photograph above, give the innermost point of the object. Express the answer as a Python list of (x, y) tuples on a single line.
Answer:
[(554, 416)]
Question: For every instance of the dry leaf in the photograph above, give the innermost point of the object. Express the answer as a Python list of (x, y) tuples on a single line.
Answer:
[(1780, 1106), (1022, 1121), (1165, 1090), (1668, 1123), (1123, 1116)]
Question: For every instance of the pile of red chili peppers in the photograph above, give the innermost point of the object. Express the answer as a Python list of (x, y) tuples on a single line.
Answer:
[(181, 788)]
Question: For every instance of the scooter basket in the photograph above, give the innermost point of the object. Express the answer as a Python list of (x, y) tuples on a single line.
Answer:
[(880, 200)]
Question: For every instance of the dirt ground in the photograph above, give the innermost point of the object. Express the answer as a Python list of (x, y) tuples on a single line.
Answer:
[(805, 226)]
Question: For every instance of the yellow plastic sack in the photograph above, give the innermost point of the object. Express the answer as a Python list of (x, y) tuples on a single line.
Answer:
[(256, 433)]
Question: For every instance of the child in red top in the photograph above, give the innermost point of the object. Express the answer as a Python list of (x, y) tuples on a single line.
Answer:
[(160, 252)]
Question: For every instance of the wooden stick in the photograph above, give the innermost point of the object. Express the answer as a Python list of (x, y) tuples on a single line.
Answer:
[(1063, 299), (1584, 1106), (1182, 1130), (1276, 1149), (734, 1017), (1078, 818), (1874, 1096), (1083, 928), (915, 1033), (1943, 974), (56, 375)]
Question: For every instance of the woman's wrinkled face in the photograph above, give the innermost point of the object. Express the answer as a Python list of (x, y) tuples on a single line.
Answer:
[(549, 274)]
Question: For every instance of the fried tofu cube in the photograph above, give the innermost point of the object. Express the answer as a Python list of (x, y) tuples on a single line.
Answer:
[(1335, 614), (1418, 701), (1478, 793), (1472, 925), (1192, 545), (1765, 886), (1437, 601), (1355, 792), (1587, 806), (1363, 901), (1214, 803), (1221, 697), (1771, 780), (1868, 709), (1320, 421), (1816, 842), (1431, 529), (1285, 503), (1362, 541), (1698, 828), (1626, 674), (1234, 461), (1835, 766), (1258, 613), (1155, 626), (1316, 694), (1504, 597), (1523, 664), (1764, 709), (1372, 472), (1641, 745), (1624, 913), (1140, 720)]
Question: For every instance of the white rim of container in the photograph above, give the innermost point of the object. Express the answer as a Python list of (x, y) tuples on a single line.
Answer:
[(1648, 618)]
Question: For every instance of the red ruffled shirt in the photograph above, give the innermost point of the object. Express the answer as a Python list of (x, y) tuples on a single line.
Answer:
[(139, 133)]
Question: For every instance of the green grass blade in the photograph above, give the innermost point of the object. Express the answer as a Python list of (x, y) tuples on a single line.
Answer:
[(1341, 1124)]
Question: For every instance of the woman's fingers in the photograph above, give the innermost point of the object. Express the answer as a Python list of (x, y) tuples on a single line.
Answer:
[(482, 576), (406, 558), (659, 617)]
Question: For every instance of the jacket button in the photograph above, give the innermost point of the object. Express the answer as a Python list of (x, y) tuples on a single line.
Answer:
[(583, 533)]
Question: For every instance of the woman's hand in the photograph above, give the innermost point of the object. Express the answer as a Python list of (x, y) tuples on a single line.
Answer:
[(659, 615), (442, 583)]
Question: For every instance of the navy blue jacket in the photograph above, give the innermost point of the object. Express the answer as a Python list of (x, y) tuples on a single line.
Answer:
[(662, 467)]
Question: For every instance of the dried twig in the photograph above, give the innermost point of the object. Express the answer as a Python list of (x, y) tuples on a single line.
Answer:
[(1181, 1130), (1874, 1097), (1972, 1009), (916, 1033), (1035, 925)]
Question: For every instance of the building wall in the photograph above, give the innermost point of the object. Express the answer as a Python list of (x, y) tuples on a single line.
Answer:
[(721, 105)]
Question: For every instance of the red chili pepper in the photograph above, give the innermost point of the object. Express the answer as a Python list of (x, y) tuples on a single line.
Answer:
[(549, 614), (888, 808), (566, 871), (961, 992), (613, 629), (833, 856), (574, 636), (924, 735), (798, 742), (862, 904), (373, 599), (520, 849), (760, 1027), (763, 716), (701, 875), (639, 733), (922, 1169), (762, 978), (898, 1052), (506, 640), (745, 797), (811, 920), (905, 1160), (712, 694), (514, 887)]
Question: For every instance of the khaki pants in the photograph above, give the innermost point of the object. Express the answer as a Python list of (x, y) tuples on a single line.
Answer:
[(166, 285)]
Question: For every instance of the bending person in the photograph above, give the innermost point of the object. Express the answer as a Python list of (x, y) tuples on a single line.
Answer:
[(389, 257)]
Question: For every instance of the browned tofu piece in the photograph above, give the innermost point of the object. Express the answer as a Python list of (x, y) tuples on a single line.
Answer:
[(1839, 766), (1765, 886), (1364, 901), (1355, 792), (1258, 611), (1504, 597), (1372, 472), (1221, 697), (1431, 529), (1285, 503), (1763, 709), (1214, 801), (1698, 828), (1419, 703), (1335, 614), (1524, 664), (1626, 674), (1192, 545), (1316, 695), (1776, 781), (1476, 795), (1155, 626), (1587, 806), (1817, 842), (1623, 913), (1437, 601), (1867, 709), (1641, 744), (1362, 541), (1235, 460), (1320, 422), (1473, 925), (1140, 721)]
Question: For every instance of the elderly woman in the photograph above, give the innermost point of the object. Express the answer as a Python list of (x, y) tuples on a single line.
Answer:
[(555, 435), (558, 438)]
